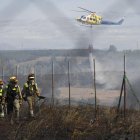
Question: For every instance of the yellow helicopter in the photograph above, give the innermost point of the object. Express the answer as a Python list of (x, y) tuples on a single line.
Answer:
[(93, 19)]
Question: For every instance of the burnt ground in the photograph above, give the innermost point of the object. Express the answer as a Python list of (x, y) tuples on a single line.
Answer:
[(78, 123)]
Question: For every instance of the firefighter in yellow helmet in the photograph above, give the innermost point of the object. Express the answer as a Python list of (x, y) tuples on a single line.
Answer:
[(13, 97), (1, 93), (30, 90)]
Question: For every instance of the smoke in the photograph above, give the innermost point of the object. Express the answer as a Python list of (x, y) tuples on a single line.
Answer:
[(133, 83), (106, 75), (131, 96)]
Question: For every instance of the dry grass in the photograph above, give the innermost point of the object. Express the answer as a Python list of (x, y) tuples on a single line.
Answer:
[(79, 123), (105, 97), (47, 59)]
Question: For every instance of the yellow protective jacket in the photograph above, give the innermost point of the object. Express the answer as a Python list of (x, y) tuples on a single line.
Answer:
[(30, 90), (1, 93), (11, 93)]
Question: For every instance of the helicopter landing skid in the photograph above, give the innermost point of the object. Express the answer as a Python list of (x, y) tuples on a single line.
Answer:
[(86, 25)]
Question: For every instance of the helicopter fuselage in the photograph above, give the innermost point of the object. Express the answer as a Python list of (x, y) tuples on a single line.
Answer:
[(93, 19)]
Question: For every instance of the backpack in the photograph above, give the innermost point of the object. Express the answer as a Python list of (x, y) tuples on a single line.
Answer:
[(28, 88), (11, 94)]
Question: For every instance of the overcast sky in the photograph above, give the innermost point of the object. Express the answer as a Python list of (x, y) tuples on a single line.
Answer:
[(41, 24)]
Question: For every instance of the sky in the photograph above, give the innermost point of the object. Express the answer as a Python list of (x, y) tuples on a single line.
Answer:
[(44, 24)]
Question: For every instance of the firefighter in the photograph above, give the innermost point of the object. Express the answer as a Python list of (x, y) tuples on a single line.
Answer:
[(13, 97), (1, 93), (30, 90)]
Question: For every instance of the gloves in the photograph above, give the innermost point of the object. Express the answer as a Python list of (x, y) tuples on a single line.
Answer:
[(39, 97), (20, 101), (38, 94), (3, 102)]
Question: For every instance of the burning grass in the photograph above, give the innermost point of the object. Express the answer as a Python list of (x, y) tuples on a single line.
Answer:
[(78, 123)]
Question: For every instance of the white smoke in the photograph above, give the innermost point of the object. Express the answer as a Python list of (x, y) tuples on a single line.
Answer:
[(106, 74), (109, 76)]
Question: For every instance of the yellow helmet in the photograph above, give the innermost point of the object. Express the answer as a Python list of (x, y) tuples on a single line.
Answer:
[(1, 82), (13, 79), (31, 76)]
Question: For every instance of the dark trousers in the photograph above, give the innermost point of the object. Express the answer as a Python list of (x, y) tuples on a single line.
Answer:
[(9, 108), (15, 104)]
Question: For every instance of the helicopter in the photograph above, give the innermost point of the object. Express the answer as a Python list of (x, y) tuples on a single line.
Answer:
[(93, 19)]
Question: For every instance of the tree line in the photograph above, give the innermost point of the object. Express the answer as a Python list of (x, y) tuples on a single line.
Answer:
[(80, 77)]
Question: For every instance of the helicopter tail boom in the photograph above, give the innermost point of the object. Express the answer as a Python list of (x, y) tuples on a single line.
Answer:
[(112, 23)]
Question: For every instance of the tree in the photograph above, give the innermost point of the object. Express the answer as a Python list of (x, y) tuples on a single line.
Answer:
[(53, 60), (63, 70), (65, 61), (112, 48)]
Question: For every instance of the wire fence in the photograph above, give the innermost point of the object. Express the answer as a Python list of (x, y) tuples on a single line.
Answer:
[(108, 87), (83, 110)]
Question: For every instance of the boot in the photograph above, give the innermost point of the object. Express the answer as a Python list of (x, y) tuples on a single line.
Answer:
[(1, 114), (31, 114), (11, 121), (10, 118), (17, 120)]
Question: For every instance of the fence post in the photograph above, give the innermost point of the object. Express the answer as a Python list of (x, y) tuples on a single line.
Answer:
[(17, 71), (35, 71), (69, 84), (134, 135), (2, 73), (35, 82), (124, 91), (98, 114), (95, 93), (120, 100), (53, 83)]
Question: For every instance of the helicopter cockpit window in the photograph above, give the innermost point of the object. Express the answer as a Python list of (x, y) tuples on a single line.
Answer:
[(82, 16)]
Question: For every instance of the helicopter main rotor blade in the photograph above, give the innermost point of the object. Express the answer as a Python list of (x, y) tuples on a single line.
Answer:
[(86, 10), (120, 8), (80, 11), (92, 12)]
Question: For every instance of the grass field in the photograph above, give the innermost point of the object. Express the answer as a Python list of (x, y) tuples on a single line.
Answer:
[(47, 59), (105, 97)]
